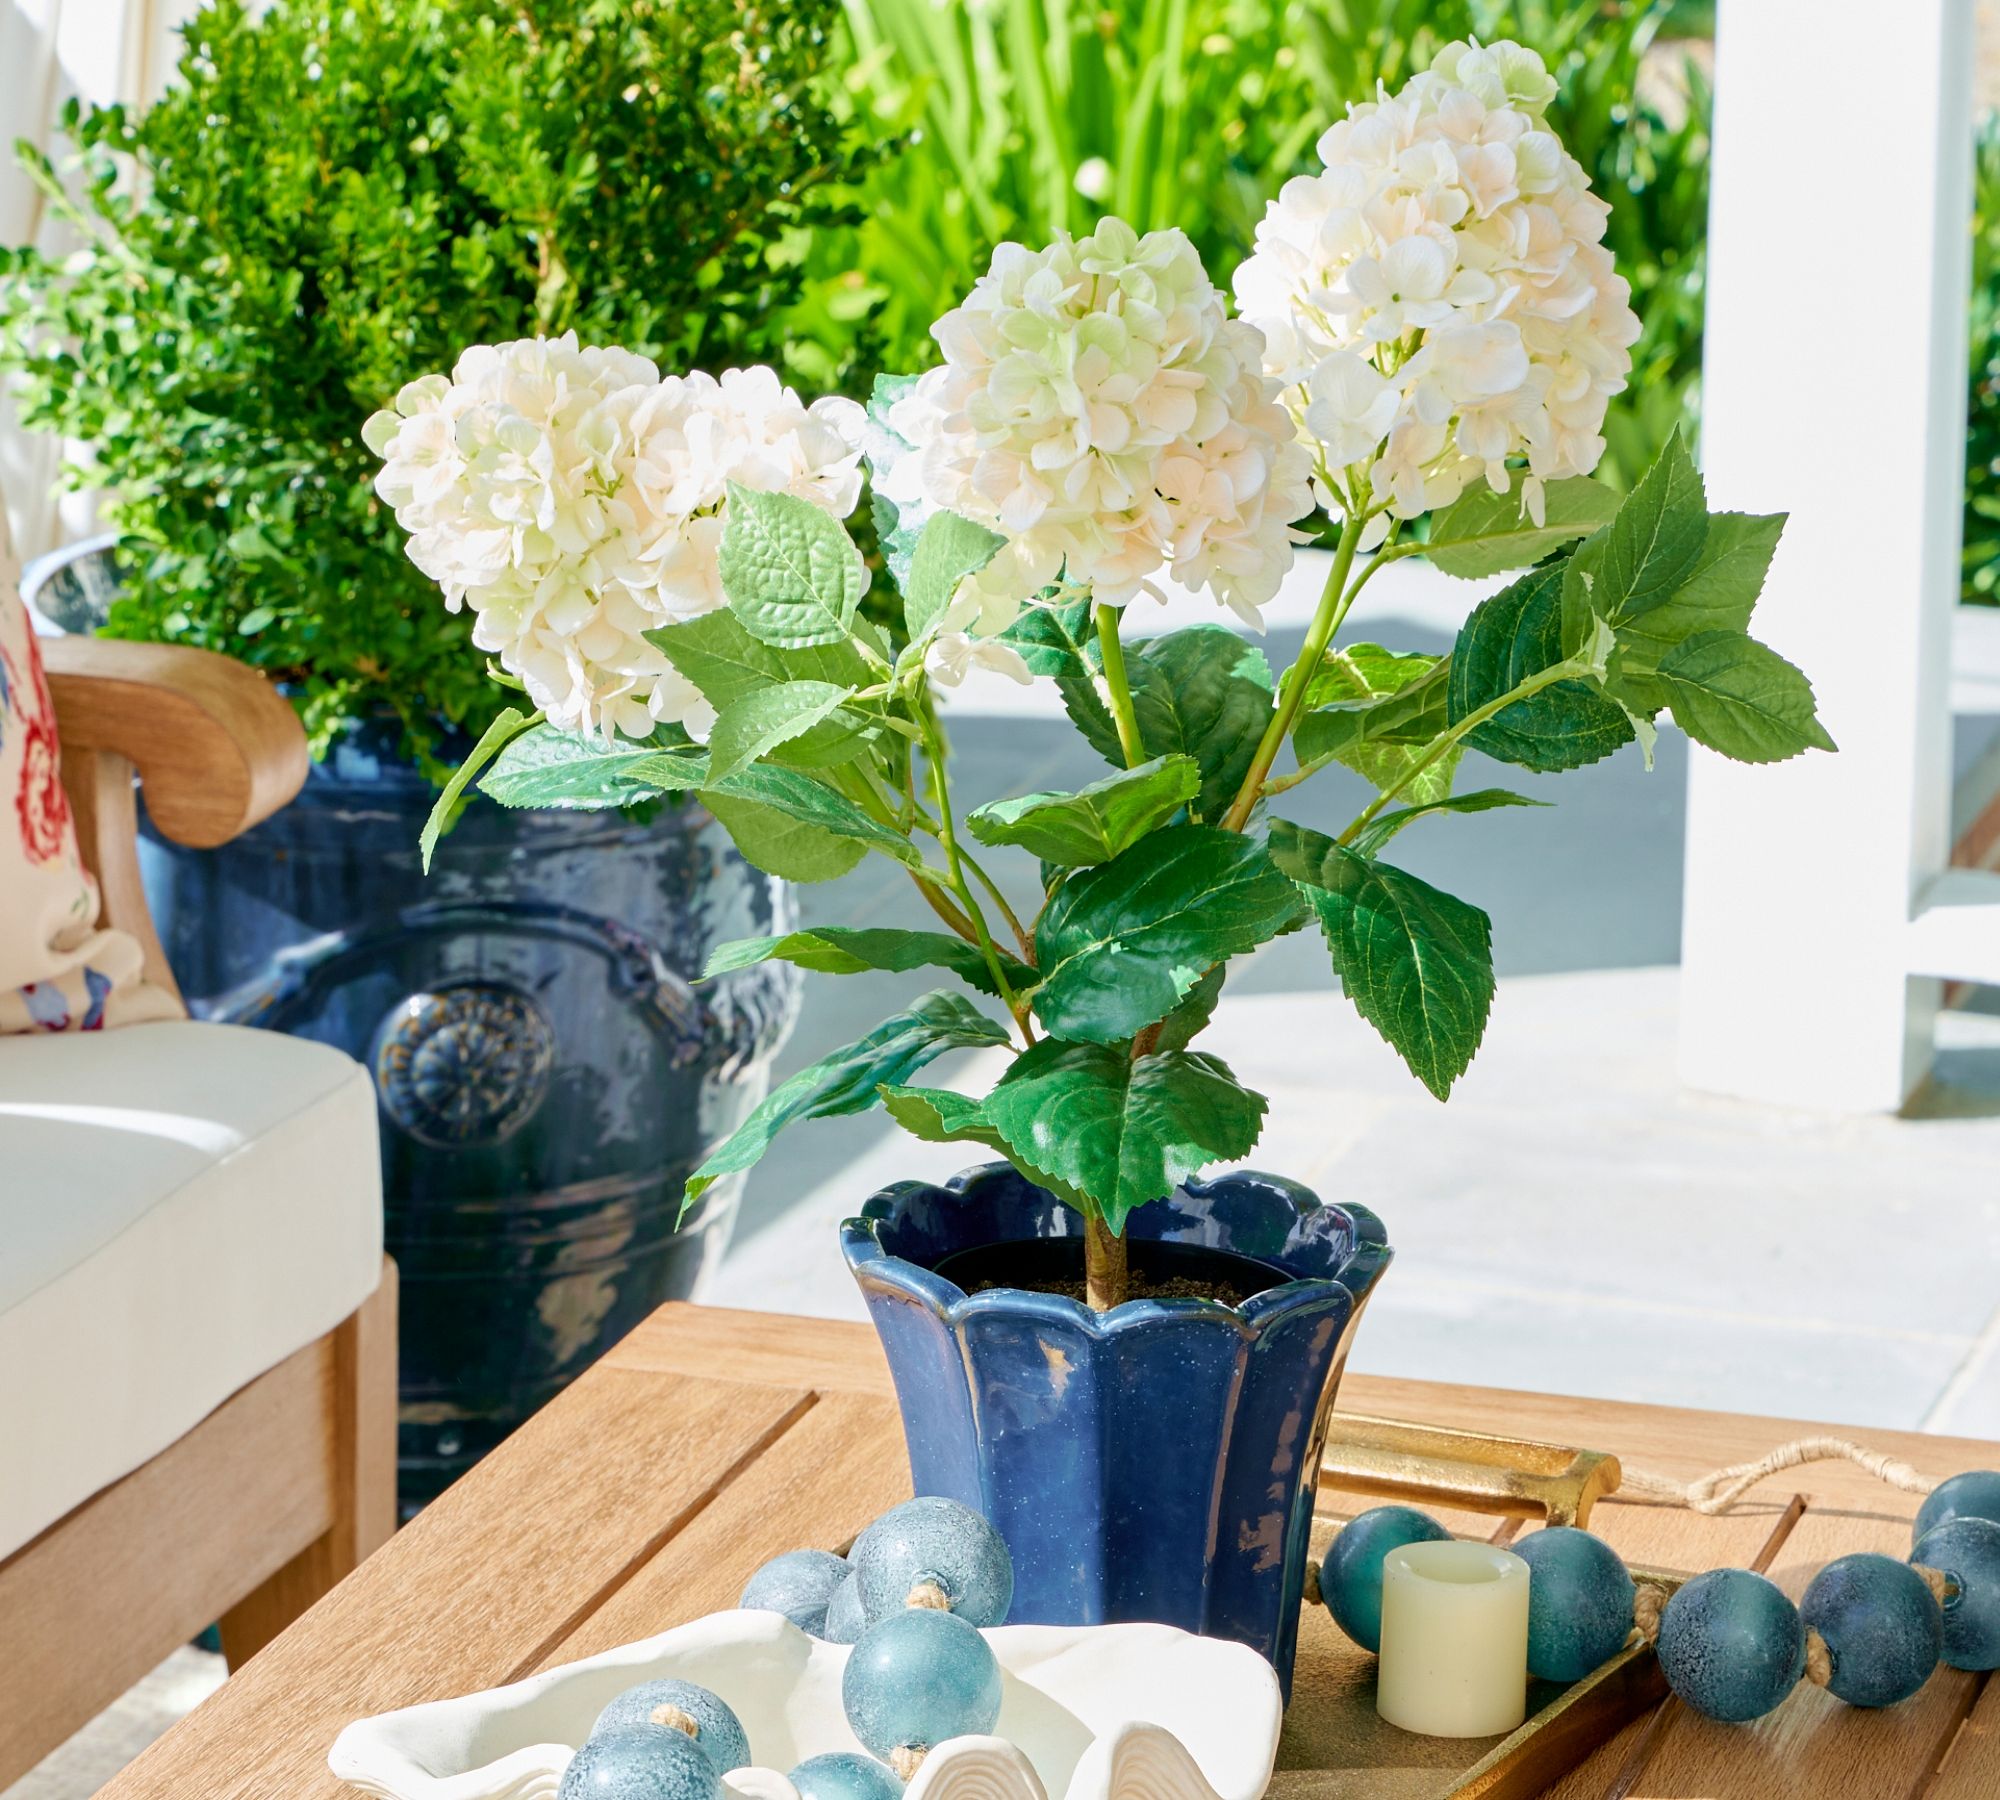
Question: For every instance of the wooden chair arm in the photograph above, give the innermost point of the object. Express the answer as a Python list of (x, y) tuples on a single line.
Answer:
[(217, 747)]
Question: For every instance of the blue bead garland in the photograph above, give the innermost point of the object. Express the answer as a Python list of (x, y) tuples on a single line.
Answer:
[(1870, 1630)]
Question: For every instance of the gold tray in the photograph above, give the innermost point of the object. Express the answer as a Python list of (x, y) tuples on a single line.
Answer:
[(1336, 1748)]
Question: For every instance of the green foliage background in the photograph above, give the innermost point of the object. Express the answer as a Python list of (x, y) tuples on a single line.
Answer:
[(339, 196)]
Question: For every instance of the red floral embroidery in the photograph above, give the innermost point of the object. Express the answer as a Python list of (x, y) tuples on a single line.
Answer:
[(41, 803)]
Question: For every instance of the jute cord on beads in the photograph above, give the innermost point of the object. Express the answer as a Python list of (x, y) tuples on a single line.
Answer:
[(1721, 1489)]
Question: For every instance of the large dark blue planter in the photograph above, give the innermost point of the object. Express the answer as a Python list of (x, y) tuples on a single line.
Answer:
[(547, 1075), (1155, 1462)]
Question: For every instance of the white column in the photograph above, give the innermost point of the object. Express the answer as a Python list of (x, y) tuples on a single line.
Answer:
[(1834, 389)]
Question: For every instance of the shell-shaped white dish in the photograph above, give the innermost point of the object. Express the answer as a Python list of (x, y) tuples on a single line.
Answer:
[(1106, 1712)]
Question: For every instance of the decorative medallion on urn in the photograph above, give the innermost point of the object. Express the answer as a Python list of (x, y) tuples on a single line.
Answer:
[(465, 1064)]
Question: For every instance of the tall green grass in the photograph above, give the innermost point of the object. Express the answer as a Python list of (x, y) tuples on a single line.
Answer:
[(1026, 117)]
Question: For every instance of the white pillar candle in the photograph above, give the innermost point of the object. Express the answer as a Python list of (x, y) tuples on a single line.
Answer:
[(1454, 1640)]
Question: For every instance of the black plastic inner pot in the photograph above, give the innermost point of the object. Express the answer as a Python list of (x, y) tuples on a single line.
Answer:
[(1055, 1265)]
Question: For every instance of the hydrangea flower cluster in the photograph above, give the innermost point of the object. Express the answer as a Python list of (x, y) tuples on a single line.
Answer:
[(1099, 407), (1438, 299), (575, 500)]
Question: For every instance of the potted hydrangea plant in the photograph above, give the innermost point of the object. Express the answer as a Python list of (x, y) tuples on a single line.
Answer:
[(1128, 1368)]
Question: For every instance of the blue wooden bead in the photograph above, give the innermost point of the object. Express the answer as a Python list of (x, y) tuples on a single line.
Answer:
[(842, 1775), (718, 1731), (797, 1584), (1882, 1628), (1731, 1645), (640, 1762), (1579, 1602), (1968, 1551), (1974, 1495), (1350, 1580), (934, 1539), (846, 1618), (918, 1678)]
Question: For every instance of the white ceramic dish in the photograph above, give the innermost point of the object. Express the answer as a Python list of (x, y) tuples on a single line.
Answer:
[(1111, 1712)]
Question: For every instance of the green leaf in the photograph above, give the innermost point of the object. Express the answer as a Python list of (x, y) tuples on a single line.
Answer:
[(1204, 693), (1056, 639), (1718, 594), (1417, 963), (1121, 945), (1482, 533), (758, 723), (1376, 711), (506, 726), (1095, 823), (547, 767), (1189, 1019), (809, 803), (948, 549), (1516, 634), (780, 844), (849, 1079), (791, 572), (727, 664), (1654, 542), (1088, 1120), (1739, 697), (853, 949), (939, 1116), (1381, 829), (884, 448)]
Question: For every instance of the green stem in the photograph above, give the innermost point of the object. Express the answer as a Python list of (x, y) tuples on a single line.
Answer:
[(1292, 692), (1562, 671), (1000, 900), (955, 863), (1120, 687)]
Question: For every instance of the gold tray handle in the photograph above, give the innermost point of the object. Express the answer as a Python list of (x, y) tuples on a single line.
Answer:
[(1390, 1459)]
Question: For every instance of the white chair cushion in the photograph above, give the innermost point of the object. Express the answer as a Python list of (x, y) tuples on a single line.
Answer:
[(182, 1206)]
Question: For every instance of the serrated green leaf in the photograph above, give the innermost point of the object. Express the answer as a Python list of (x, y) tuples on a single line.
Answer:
[(1189, 1019), (850, 1079), (1741, 698), (757, 724), (1117, 1130), (939, 1116), (789, 569), (1121, 945), (1416, 962), (790, 848), (1718, 594), (808, 802), (884, 448), (1653, 543), (853, 950), (1482, 533), (507, 725), (1376, 711), (1381, 829), (1202, 692), (547, 767), (1516, 634), (948, 549), (1095, 823), (726, 663), (1056, 639)]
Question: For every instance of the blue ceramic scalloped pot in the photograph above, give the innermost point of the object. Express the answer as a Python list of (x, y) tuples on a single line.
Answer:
[(1156, 1462)]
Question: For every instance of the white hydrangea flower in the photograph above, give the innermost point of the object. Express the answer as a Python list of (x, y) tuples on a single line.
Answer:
[(1099, 407), (1449, 256), (575, 501)]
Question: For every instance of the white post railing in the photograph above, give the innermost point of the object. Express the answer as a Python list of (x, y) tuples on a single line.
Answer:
[(1818, 910)]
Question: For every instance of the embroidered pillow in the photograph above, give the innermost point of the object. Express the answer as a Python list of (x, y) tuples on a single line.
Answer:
[(58, 971)]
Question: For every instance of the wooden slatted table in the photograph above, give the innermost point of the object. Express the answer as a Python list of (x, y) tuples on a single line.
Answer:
[(710, 1440)]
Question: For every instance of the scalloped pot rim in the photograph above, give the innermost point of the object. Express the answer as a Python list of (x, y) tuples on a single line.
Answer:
[(1078, 1720), (872, 1260)]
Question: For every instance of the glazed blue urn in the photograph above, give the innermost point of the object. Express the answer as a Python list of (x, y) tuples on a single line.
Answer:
[(1155, 1462)]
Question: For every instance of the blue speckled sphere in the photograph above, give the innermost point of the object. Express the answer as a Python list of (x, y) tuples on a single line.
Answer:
[(846, 1617), (918, 1678), (797, 1584), (1968, 1550), (934, 1539), (718, 1730), (1579, 1602), (844, 1776), (1883, 1630), (1974, 1495), (640, 1762), (1350, 1580), (1731, 1645)]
